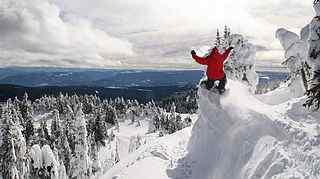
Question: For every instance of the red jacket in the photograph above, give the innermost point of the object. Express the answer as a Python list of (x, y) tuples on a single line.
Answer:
[(215, 63)]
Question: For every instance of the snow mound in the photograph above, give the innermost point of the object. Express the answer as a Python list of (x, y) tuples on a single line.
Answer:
[(226, 133), (283, 93)]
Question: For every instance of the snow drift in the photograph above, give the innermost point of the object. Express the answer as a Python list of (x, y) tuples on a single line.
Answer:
[(226, 133), (240, 136)]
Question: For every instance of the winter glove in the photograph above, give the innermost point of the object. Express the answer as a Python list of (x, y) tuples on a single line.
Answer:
[(231, 48), (193, 52)]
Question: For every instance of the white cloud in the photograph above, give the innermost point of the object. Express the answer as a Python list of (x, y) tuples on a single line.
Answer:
[(256, 19), (167, 29), (35, 29)]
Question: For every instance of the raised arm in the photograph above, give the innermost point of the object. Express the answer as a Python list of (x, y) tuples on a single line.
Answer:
[(227, 53), (200, 60)]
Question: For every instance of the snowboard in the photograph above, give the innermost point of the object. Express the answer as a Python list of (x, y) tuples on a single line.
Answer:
[(215, 90)]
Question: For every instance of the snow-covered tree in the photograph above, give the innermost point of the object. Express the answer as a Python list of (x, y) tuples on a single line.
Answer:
[(45, 164), (64, 152), (80, 162), (65, 142), (12, 147), (56, 128), (188, 121), (50, 166), (25, 107), (36, 160), (28, 131), (70, 128), (43, 136), (227, 37), (296, 61), (314, 59), (218, 42), (96, 164), (99, 130), (241, 63), (110, 116)]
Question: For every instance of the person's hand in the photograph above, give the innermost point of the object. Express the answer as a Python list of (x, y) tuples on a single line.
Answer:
[(193, 52), (231, 48)]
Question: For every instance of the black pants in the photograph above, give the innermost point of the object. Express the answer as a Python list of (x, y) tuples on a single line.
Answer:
[(210, 84)]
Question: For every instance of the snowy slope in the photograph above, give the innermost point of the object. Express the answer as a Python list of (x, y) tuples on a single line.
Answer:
[(152, 160), (236, 136)]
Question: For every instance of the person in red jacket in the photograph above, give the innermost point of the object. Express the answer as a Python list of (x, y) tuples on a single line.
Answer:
[(215, 70)]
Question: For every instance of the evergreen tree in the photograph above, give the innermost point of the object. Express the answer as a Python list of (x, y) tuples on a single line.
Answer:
[(110, 117), (12, 149), (94, 155), (188, 121), (70, 128), (240, 65), (313, 93), (226, 37), (218, 41), (7, 153), (26, 110), (56, 129), (296, 57), (28, 131), (26, 107), (80, 162), (43, 136), (306, 74), (99, 131), (64, 152)]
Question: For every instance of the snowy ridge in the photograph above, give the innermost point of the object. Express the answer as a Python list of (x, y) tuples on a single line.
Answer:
[(236, 136), (252, 139), (226, 134)]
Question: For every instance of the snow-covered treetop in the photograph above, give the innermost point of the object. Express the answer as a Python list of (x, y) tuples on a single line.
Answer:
[(286, 38), (292, 44), (244, 52), (296, 49), (316, 6)]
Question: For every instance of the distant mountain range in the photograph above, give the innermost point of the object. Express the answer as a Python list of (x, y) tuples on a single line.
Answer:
[(142, 94), (39, 77), (97, 78)]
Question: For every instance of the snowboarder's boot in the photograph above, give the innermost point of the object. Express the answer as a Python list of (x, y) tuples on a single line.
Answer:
[(221, 91)]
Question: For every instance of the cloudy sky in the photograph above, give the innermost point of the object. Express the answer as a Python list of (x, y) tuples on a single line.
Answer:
[(137, 33)]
